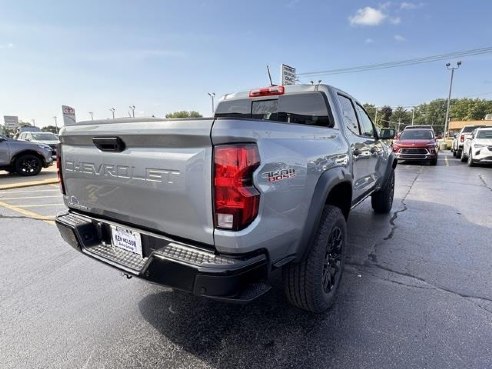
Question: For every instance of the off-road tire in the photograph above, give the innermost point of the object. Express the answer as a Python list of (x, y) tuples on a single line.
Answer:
[(382, 200), (312, 283), (28, 165)]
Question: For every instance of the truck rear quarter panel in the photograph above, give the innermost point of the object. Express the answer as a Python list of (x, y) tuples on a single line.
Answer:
[(293, 157)]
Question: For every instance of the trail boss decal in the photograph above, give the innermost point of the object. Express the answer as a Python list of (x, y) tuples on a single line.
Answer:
[(279, 175)]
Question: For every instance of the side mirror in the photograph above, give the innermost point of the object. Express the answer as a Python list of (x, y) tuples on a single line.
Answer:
[(387, 133)]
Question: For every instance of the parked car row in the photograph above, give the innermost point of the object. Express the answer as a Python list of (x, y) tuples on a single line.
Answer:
[(477, 147)]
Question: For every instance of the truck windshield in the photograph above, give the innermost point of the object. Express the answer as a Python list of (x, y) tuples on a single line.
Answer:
[(304, 108), (43, 136)]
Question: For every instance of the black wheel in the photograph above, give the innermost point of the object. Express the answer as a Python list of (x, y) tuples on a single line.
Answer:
[(28, 165), (463, 156), (433, 161), (382, 200), (312, 283), (454, 153), (470, 160), (458, 154)]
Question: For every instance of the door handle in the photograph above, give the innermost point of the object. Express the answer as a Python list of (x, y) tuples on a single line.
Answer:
[(114, 144)]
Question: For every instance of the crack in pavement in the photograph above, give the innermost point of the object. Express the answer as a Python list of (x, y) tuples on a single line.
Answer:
[(368, 266), (373, 255), (484, 182)]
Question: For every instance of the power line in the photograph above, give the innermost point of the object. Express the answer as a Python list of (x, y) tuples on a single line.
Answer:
[(401, 63)]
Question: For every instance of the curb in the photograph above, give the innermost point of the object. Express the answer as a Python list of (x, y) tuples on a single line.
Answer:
[(29, 184)]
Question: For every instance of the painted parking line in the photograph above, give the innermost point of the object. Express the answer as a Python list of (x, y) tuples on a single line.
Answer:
[(28, 213), (39, 205), (28, 197), (30, 191)]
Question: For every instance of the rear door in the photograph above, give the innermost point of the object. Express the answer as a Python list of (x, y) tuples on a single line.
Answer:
[(362, 148)]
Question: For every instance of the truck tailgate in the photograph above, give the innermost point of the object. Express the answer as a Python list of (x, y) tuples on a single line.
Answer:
[(153, 174)]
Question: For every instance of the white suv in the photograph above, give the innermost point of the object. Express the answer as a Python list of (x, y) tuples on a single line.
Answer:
[(478, 148)]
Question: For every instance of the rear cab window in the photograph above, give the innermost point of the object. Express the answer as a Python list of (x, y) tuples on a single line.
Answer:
[(309, 108)]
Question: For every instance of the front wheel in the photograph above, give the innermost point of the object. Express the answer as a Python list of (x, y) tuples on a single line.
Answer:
[(433, 161), (28, 165), (382, 200), (463, 156), (470, 160), (312, 283)]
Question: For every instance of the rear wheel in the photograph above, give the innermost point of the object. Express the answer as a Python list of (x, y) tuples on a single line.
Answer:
[(458, 154), (312, 283), (382, 200), (28, 165)]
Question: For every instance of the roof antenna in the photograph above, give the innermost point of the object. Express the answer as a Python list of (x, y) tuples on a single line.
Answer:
[(269, 76), (317, 86)]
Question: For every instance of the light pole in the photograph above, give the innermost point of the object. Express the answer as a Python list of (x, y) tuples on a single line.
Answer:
[(92, 115), (212, 96), (112, 110), (448, 65), (132, 108), (56, 124)]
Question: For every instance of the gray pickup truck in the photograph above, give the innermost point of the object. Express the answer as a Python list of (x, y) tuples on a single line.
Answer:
[(214, 206), (22, 157)]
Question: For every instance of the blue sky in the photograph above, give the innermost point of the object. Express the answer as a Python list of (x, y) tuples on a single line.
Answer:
[(163, 56)]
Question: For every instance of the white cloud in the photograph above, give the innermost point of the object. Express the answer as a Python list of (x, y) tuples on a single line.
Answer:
[(369, 41), (395, 20), (10, 45), (410, 6), (399, 38), (367, 17)]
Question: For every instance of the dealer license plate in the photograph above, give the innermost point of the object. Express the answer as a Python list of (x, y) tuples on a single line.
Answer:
[(126, 239)]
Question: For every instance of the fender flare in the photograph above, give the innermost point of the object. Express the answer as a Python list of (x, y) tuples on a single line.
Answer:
[(392, 162), (326, 182)]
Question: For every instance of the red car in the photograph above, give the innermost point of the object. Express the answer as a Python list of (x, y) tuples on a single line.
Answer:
[(416, 145)]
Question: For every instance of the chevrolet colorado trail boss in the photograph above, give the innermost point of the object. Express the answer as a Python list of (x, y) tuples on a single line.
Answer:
[(213, 206)]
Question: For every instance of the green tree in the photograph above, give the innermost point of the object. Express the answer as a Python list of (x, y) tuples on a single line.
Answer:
[(370, 109), (401, 115), (51, 129), (184, 114), (386, 113)]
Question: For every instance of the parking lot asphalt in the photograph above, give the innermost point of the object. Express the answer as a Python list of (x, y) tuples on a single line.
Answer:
[(416, 293), (11, 181)]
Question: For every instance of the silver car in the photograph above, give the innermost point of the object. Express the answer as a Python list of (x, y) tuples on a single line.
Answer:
[(46, 138), (24, 158)]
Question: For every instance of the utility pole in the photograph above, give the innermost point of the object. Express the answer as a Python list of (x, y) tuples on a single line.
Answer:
[(56, 124), (376, 116), (448, 65), (212, 96), (112, 110), (33, 122), (413, 114), (92, 115), (132, 108)]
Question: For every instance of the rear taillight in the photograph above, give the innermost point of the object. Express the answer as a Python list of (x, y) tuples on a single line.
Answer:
[(59, 168), (462, 138), (267, 91), (236, 200)]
